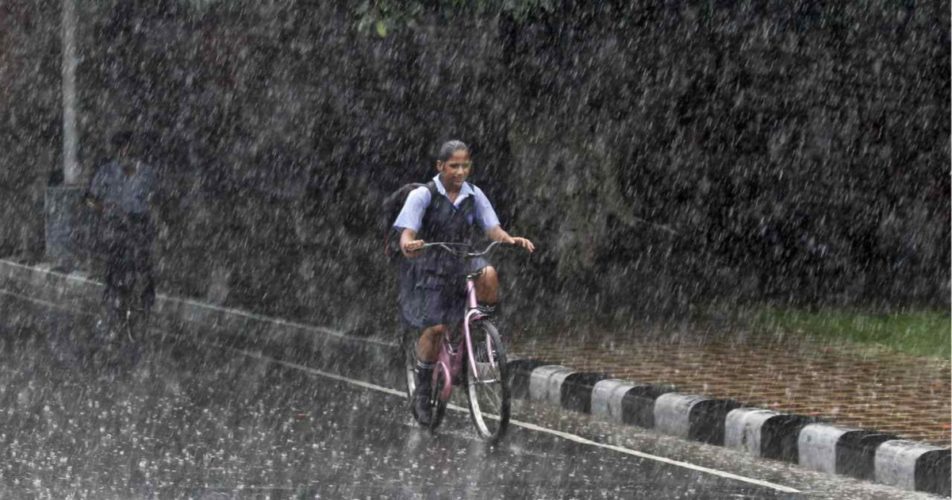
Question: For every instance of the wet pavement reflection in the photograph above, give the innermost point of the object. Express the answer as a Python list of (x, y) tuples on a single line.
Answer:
[(197, 422)]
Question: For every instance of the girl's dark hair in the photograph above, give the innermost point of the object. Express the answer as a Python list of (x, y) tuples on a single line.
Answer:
[(450, 147)]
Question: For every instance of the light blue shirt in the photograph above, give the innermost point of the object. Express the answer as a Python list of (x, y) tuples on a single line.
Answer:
[(411, 216)]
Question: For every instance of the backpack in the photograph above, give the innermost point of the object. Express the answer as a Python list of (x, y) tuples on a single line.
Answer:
[(392, 205)]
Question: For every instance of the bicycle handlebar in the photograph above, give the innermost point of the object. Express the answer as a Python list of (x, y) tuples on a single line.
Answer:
[(446, 246)]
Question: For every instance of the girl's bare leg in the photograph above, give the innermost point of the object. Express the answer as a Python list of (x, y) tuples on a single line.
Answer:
[(487, 286), (428, 348)]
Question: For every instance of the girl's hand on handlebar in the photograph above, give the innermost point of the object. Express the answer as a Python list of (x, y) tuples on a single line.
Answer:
[(412, 248), (522, 242)]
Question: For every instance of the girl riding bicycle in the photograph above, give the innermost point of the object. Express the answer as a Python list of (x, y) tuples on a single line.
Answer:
[(431, 290)]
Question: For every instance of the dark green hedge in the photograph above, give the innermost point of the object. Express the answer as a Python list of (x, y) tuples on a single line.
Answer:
[(661, 154)]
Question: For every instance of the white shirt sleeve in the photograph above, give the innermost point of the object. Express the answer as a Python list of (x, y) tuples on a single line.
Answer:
[(411, 215), (485, 214)]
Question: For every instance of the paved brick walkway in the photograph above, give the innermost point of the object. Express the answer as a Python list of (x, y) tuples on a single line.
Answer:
[(844, 384)]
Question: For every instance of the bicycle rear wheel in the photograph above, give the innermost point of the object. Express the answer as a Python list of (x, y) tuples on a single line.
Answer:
[(438, 405), (488, 390)]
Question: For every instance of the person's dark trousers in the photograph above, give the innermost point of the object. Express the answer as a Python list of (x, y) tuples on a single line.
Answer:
[(143, 269), (129, 263), (128, 271)]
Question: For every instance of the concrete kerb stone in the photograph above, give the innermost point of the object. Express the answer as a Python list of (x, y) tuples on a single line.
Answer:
[(606, 398), (742, 429), (520, 373), (816, 446), (779, 436), (896, 462), (693, 417), (575, 392), (541, 383), (707, 420), (855, 453), (672, 413), (934, 472), (638, 403), (556, 381)]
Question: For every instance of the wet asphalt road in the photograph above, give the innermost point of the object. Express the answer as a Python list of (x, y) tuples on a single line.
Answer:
[(196, 421)]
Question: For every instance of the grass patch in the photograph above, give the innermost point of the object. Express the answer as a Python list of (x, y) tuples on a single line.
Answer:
[(921, 333)]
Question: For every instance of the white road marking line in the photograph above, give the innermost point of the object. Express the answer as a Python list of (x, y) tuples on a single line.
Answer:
[(530, 426), (518, 423), (47, 303)]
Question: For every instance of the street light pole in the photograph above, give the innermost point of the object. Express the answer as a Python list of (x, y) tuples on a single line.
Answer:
[(62, 214), (71, 169)]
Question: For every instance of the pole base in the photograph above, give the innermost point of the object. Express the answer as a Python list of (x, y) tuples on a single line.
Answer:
[(66, 226)]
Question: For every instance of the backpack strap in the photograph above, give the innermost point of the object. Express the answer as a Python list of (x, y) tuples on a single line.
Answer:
[(389, 251), (431, 186)]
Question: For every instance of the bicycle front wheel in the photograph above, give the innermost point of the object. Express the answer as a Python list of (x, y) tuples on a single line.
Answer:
[(488, 389)]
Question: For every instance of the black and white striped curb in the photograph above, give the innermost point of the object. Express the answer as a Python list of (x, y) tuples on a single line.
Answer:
[(862, 454)]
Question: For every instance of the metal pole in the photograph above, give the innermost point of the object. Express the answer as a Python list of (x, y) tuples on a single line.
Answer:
[(71, 169)]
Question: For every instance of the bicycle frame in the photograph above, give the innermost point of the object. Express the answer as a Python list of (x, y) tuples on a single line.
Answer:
[(451, 357)]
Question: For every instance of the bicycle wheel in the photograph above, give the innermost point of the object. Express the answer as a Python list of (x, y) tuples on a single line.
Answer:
[(439, 406), (488, 391)]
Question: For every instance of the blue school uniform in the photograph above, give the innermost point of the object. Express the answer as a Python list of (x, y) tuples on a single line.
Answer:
[(432, 286)]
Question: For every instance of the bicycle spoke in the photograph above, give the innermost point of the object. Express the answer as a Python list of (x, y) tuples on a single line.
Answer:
[(487, 389)]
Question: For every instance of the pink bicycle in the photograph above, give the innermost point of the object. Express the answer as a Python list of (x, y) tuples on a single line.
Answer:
[(482, 352)]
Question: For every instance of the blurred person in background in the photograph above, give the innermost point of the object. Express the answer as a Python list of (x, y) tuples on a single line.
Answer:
[(122, 193)]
